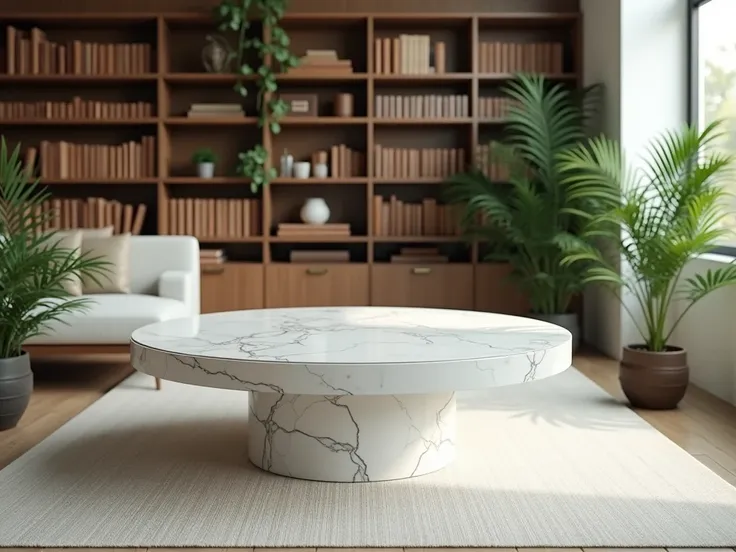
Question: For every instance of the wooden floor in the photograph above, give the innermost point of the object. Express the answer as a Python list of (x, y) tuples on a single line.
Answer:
[(703, 425)]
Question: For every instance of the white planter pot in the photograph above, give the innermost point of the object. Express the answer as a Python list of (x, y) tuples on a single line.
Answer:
[(315, 211), (206, 170)]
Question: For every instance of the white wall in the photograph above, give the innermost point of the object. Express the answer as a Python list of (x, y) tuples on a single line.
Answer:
[(708, 332), (602, 64), (638, 50)]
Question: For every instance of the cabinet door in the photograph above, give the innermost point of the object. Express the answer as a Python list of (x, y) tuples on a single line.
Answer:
[(448, 286), (231, 286), (316, 285), (495, 292)]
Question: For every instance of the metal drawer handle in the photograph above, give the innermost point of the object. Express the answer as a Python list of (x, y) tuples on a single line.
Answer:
[(421, 270), (213, 269), (316, 271)]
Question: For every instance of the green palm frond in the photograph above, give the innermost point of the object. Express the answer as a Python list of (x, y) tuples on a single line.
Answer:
[(671, 210), (33, 267), (540, 213)]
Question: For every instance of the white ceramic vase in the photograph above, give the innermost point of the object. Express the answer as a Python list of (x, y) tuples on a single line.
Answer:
[(206, 170), (315, 211)]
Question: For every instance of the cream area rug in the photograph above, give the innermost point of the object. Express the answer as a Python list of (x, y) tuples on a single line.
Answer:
[(553, 463)]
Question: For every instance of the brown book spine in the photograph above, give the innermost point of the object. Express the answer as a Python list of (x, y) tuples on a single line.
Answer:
[(138, 222), (378, 57), (10, 50), (439, 58)]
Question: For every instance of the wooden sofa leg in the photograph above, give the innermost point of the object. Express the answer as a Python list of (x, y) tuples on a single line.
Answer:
[(158, 384)]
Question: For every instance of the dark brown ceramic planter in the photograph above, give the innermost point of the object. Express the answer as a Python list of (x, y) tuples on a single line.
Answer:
[(16, 385), (655, 381)]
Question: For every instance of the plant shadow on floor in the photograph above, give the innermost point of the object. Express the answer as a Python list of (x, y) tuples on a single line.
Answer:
[(567, 399)]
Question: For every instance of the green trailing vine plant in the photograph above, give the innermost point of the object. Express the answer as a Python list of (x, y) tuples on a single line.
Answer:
[(238, 16)]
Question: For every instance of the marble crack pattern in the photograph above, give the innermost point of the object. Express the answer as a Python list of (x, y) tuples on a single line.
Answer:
[(194, 364), (331, 444)]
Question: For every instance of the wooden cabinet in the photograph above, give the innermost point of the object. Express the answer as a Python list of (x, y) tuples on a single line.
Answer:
[(231, 286), (447, 286), (495, 292), (316, 285)]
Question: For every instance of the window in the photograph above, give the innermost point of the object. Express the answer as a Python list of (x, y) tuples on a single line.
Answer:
[(714, 78)]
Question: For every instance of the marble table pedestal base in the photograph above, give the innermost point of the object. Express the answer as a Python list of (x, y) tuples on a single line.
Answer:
[(351, 438)]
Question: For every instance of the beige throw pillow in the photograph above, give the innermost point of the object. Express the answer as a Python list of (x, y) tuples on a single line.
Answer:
[(71, 241), (116, 251)]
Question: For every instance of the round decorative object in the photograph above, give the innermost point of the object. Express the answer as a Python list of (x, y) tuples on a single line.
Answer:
[(315, 211), (217, 55), (654, 380)]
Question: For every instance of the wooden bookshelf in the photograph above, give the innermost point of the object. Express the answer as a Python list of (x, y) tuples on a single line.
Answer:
[(125, 100)]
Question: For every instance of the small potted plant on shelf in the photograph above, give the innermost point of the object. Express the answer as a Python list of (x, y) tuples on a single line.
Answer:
[(36, 270), (205, 159), (672, 208), (532, 218)]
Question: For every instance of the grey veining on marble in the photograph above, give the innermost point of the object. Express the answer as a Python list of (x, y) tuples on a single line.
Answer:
[(351, 439), (352, 350)]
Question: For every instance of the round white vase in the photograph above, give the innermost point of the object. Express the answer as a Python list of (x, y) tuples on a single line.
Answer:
[(205, 170), (315, 211)]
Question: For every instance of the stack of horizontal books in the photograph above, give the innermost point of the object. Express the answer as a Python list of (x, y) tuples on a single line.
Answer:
[(209, 110)]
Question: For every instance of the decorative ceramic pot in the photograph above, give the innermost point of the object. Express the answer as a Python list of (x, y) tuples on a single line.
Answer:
[(16, 385), (205, 170), (655, 381), (568, 321), (315, 211)]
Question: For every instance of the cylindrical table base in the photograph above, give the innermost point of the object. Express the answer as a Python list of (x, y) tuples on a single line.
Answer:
[(351, 438)]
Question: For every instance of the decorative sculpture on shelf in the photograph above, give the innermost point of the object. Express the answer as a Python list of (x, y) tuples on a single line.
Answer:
[(217, 55)]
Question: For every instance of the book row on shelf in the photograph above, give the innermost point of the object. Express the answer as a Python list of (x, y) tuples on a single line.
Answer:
[(408, 55), (417, 163), (394, 217), (493, 108), (93, 212), (66, 160), (31, 53), (76, 109), (214, 218), (511, 57), (433, 106)]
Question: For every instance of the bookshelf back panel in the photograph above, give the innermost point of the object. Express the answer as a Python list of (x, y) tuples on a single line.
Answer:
[(186, 46), (347, 204), (326, 96), (226, 142), (182, 96), (349, 41), (280, 252)]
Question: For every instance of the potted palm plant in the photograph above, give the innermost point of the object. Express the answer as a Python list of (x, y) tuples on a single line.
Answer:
[(34, 272), (672, 208), (533, 218)]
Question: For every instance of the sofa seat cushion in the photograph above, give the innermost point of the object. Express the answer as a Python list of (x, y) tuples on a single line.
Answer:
[(110, 319)]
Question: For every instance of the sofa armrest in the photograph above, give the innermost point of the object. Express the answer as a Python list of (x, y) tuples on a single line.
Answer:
[(179, 285)]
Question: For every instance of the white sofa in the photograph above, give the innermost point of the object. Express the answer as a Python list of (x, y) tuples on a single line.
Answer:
[(164, 284)]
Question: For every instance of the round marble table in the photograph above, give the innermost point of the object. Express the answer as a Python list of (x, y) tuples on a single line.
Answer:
[(351, 394)]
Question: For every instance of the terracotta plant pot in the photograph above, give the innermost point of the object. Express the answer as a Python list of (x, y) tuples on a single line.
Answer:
[(655, 381), (16, 385)]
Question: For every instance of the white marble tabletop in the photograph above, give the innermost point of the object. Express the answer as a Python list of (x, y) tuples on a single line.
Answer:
[(352, 350)]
